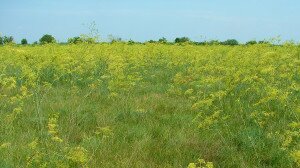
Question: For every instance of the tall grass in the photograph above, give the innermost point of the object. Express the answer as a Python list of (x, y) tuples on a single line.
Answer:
[(153, 105)]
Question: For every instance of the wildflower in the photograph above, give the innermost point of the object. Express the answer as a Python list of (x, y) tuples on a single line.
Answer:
[(209, 165), (188, 92), (52, 128), (295, 125), (296, 156), (5, 145), (192, 165), (202, 103), (57, 139), (17, 110), (113, 95), (78, 155), (33, 144), (104, 131), (24, 91)]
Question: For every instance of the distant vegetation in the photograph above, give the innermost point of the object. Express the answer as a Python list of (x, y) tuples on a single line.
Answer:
[(182, 40), (6, 40), (46, 39), (24, 41), (82, 39)]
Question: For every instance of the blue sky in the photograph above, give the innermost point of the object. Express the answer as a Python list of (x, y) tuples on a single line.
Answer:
[(151, 19)]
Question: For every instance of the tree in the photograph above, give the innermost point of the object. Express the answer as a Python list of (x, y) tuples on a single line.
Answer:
[(263, 42), (82, 39), (1, 40), (151, 41), (231, 42), (252, 42), (163, 40), (24, 42), (75, 40), (213, 42), (200, 43), (47, 39), (131, 42), (182, 40), (7, 39)]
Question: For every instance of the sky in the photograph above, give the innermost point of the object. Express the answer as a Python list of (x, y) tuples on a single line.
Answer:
[(143, 20)]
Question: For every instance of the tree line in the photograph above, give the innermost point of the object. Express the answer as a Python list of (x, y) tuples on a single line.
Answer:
[(46, 39)]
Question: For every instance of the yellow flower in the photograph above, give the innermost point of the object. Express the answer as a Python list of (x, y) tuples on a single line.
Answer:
[(33, 144), (52, 128), (5, 145), (188, 92), (192, 165), (296, 156), (209, 165), (57, 139), (78, 155)]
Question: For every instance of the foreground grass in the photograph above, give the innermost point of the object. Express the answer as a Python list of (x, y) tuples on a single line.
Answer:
[(149, 106)]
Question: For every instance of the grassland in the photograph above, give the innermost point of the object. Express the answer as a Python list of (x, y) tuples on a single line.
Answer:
[(153, 105)]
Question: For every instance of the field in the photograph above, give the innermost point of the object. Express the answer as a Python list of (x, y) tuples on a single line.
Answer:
[(153, 105)]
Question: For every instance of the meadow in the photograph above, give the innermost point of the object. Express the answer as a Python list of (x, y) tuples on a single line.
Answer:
[(152, 105)]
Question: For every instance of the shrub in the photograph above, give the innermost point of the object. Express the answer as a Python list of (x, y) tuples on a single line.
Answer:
[(231, 42), (24, 42), (47, 39), (163, 40), (75, 40), (6, 40), (182, 40), (252, 42)]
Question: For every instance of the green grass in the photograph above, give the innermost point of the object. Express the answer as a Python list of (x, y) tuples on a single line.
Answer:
[(149, 106)]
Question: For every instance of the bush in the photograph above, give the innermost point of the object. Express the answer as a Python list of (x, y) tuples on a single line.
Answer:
[(231, 42), (263, 42), (6, 40), (163, 40), (47, 39), (213, 42), (75, 40), (182, 40), (131, 42), (151, 41), (252, 42), (24, 42)]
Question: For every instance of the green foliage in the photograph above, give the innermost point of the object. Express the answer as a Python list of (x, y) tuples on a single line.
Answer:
[(88, 39), (82, 39), (263, 42), (163, 40), (151, 41), (231, 42), (213, 42), (151, 105), (6, 40), (252, 42), (24, 42), (75, 40), (47, 39), (182, 40), (131, 42)]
